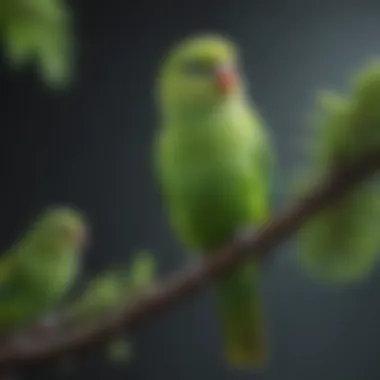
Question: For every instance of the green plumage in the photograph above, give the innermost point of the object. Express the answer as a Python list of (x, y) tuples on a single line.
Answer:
[(40, 268), (214, 166)]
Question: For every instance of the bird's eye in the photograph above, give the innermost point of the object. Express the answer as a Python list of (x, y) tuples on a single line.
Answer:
[(198, 68)]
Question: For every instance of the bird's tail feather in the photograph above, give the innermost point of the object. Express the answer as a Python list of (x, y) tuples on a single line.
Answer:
[(242, 317)]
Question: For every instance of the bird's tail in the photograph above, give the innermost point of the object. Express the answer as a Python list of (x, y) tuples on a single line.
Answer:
[(242, 317)]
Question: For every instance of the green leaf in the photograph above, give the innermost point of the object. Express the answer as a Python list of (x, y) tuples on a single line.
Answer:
[(342, 243), (40, 32), (143, 269)]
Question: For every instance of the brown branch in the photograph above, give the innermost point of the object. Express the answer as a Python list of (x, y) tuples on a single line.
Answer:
[(191, 279)]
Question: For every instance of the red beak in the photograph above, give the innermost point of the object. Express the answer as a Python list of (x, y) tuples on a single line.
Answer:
[(226, 79)]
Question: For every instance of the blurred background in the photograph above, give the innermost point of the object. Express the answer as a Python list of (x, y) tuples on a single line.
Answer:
[(90, 146)]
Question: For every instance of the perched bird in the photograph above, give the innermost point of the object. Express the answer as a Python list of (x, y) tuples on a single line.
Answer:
[(214, 164), (38, 270)]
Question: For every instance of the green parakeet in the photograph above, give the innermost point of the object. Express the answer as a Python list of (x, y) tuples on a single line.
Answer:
[(214, 166), (39, 268)]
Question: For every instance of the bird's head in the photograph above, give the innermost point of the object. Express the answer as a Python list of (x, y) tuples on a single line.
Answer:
[(201, 71)]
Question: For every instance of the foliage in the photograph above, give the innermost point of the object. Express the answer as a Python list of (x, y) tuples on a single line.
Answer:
[(342, 243), (39, 32), (111, 287), (108, 291)]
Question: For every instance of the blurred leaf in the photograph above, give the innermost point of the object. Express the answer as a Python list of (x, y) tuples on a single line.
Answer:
[(115, 285), (20, 48), (39, 31), (108, 290), (342, 244), (143, 269)]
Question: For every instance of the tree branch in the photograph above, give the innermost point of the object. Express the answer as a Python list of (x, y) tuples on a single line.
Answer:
[(30, 352)]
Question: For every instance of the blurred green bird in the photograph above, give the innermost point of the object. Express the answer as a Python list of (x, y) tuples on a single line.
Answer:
[(215, 165), (39, 269)]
